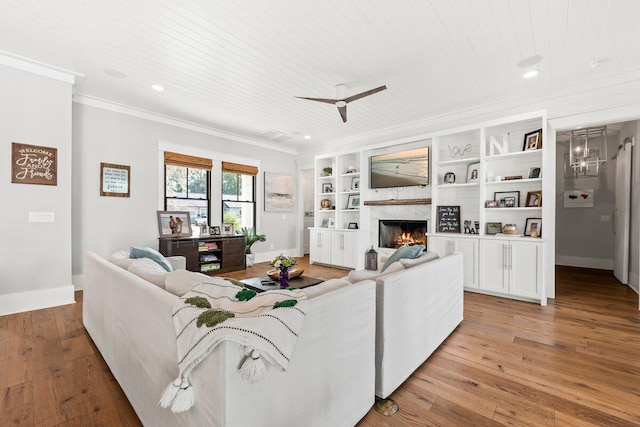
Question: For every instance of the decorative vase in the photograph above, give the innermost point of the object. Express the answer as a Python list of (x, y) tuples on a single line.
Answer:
[(284, 278), (251, 258)]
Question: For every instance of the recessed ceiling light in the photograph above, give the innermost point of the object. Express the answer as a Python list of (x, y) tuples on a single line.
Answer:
[(597, 63), (530, 74), (307, 137), (157, 88), (530, 61), (114, 73)]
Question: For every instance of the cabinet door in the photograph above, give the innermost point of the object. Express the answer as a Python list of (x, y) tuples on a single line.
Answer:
[(469, 249), (233, 256), (337, 248), (524, 265), (349, 249), (320, 246), (187, 249), (440, 245), (493, 263)]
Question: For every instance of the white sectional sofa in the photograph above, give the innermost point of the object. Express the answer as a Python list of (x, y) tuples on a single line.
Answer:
[(329, 381)]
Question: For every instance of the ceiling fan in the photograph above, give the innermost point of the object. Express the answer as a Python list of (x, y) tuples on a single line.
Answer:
[(341, 102)]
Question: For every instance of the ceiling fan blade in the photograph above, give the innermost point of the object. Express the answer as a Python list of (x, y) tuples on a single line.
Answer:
[(343, 113), (325, 100), (363, 94)]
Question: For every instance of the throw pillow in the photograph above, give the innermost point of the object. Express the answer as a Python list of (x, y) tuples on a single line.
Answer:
[(151, 254), (425, 257), (404, 251), (121, 259)]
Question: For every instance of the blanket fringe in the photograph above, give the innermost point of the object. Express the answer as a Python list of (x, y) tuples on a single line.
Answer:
[(253, 368), (178, 395)]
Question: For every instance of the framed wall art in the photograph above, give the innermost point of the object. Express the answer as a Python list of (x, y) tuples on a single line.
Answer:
[(33, 164), (278, 192), (115, 180)]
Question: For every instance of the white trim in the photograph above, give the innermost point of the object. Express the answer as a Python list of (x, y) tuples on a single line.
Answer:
[(36, 67), (78, 282), (634, 282), (171, 121), (575, 261), (36, 300)]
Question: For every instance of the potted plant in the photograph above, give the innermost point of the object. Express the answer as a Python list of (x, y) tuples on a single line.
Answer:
[(251, 237), (328, 171)]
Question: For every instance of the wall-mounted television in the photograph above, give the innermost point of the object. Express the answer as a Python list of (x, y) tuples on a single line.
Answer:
[(401, 169)]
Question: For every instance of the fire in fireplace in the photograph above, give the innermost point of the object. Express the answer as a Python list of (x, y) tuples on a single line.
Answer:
[(395, 233)]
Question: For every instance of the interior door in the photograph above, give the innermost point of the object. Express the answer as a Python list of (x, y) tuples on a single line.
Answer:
[(621, 214)]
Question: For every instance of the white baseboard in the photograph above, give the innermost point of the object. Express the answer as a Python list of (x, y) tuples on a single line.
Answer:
[(78, 282), (36, 300), (574, 261), (634, 282)]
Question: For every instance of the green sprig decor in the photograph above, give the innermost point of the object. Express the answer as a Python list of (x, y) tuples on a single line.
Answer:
[(285, 303), (234, 281), (198, 302), (211, 318), (246, 294)]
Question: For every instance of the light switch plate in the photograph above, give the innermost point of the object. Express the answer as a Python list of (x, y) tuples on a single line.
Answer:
[(41, 217)]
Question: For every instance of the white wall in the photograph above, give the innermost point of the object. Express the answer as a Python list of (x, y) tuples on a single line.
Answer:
[(632, 129), (107, 224), (35, 271)]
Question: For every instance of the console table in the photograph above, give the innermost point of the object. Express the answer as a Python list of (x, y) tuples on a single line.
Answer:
[(207, 254)]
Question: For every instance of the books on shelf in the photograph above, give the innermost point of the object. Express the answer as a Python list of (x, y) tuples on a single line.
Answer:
[(210, 267), (208, 258), (207, 246)]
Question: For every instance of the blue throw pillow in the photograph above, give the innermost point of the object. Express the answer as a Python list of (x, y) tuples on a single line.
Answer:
[(151, 254), (404, 251)]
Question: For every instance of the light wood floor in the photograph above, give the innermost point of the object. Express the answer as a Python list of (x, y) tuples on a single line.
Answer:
[(575, 362)]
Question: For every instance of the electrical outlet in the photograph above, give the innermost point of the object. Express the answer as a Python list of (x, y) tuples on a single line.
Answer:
[(271, 247), (605, 218), (41, 217)]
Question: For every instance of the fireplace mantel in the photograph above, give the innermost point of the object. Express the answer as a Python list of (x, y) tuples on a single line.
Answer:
[(398, 202)]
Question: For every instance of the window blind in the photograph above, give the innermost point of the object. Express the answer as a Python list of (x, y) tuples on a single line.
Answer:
[(177, 159), (240, 169)]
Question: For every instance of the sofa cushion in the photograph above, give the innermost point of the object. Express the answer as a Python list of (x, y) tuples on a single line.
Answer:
[(324, 287), (121, 259), (404, 251), (425, 257), (179, 282), (148, 270), (151, 254), (360, 275)]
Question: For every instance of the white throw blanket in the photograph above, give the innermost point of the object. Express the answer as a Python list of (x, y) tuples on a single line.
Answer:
[(262, 331)]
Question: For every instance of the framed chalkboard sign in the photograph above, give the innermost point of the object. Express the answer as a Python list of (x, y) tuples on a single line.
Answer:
[(114, 180), (448, 219)]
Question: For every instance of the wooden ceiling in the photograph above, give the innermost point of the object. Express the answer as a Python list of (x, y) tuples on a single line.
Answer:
[(239, 66)]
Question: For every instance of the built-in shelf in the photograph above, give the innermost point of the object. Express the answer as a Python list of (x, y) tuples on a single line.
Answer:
[(398, 202)]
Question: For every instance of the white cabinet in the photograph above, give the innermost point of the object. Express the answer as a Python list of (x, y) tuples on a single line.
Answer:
[(511, 267), (334, 247), (443, 246)]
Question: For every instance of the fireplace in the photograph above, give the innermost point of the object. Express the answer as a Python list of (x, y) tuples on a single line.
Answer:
[(395, 233)]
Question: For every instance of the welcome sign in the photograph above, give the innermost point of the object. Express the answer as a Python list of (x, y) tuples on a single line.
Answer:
[(32, 164)]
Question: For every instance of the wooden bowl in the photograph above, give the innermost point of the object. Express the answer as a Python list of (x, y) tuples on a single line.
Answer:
[(274, 274)]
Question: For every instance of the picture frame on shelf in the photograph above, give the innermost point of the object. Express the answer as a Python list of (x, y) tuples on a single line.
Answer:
[(325, 223), (494, 228), (532, 140), (534, 172), (226, 229), (327, 187), (473, 172), (534, 199), (510, 202), (449, 178), (331, 223), (491, 204), (174, 223), (353, 202), (533, 227), (355, 183), (352, 226), (499, 196), (512, 178), (214, 230)]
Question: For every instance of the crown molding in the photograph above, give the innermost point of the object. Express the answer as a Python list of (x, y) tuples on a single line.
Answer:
[(36, 67), (172, 121)]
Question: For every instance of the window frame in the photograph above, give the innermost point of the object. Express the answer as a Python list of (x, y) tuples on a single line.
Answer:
[(207, 189), (238, 200)]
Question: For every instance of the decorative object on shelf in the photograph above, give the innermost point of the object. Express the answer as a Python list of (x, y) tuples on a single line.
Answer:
[(578, 199), (476, 225), (534, 172), (352, 226), (532, 140), (283, 263), (214, 230), (455, 152), (512, 177), (471, 227), (371, 260), (496, 147), (448, 219), (491, 204), (533, 227), (587, 150), (510, 229), (278, 192), (226, 229), (174, 223), (204, 228), (33, 164), (473, 172), (327, 171), (494, 228), (251, 237), (331, 223), (534, 199), (327, 187), (325, 204), (449, 178), (500, 197), (355, 183), (352, 169), (353, 202), (114, 180), (325, 223), (274, 274), (510, 202)]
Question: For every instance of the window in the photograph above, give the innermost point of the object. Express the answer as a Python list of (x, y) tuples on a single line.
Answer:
[(187, 181), (239, 195)]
